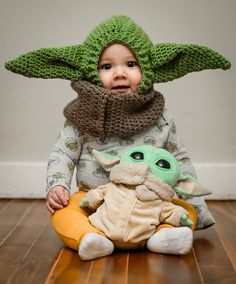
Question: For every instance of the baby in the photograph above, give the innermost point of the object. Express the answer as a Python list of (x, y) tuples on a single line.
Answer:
[(113, 73)]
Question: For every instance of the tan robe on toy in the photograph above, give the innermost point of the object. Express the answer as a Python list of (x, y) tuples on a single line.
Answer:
[(132, 205)]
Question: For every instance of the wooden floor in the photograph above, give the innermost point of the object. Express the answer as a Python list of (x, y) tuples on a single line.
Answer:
[(30, 252)]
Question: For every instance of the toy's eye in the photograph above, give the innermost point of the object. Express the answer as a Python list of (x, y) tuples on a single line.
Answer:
[(163, 164), (137, 155)]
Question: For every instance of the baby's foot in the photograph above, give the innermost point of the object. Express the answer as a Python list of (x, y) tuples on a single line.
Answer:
[(94, 245), (171, 241)]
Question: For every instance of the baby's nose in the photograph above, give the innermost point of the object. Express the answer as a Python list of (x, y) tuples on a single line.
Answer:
[(120, 72)]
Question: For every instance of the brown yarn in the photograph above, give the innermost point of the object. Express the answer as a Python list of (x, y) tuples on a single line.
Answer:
[(100, 112)]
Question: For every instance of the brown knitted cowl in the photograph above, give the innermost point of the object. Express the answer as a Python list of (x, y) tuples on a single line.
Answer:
[(102, 113)]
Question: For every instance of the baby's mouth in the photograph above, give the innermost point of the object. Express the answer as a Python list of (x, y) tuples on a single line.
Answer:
[(120, 88)]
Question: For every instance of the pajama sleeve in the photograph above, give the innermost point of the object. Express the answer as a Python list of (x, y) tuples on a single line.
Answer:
[(64, 157), (175, 146)]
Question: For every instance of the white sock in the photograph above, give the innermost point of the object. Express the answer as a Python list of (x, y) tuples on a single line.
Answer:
[(94, 245), (171, 241)]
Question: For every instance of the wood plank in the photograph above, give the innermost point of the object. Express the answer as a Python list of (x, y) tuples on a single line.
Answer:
[(184, 267), (19, 242), (11, 214), (29, 248), (156, 268), (145, 266), (116, 271), (37, 263), (154, 264), (214, 264), (4, 203), (98, 271), (110, 269), (124, 267), (225, 214), (68, 268)]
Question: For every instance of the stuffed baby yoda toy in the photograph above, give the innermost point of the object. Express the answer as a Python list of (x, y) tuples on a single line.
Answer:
[(139, 197)]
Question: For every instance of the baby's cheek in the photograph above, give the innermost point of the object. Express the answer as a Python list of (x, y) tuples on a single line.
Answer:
[(105, 80), (138, 77), (136, 82)]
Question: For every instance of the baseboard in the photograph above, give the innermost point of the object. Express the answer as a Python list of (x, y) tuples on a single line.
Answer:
[(220, 178), (27, 180)]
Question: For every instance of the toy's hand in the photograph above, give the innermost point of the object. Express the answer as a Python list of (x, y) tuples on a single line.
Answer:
[(185, 221), (84, 202)]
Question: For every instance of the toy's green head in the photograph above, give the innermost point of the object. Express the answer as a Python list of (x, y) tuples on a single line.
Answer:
[(162, 165)]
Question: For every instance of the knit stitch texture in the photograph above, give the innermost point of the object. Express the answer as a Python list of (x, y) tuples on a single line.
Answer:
[(101, 113), (159, 63)]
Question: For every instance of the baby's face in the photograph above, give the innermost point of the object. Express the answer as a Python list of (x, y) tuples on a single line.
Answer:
[(119, 69)]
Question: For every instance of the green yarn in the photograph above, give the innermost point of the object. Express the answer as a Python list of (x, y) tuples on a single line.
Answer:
[(49, 63), (123, 30), (171, 61), (159, 63)]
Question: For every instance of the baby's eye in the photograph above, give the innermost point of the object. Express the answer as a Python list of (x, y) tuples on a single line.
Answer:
[(132, 63), (106, 66)]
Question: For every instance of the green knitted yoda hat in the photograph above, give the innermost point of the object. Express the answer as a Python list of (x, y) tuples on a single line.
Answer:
[(159, 63)]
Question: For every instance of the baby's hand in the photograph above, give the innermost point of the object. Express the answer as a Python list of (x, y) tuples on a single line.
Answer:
[(57, 198), (185, 221), (84, 202)]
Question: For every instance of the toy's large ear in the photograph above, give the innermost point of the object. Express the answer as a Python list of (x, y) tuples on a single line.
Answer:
[(49, 63), (105, 160), (171, 61), (189, 186)]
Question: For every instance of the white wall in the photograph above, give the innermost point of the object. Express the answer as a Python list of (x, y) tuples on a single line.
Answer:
[(31, 109)]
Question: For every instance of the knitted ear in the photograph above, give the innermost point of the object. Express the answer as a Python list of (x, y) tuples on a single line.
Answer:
[(171, 61), (48, 63)]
